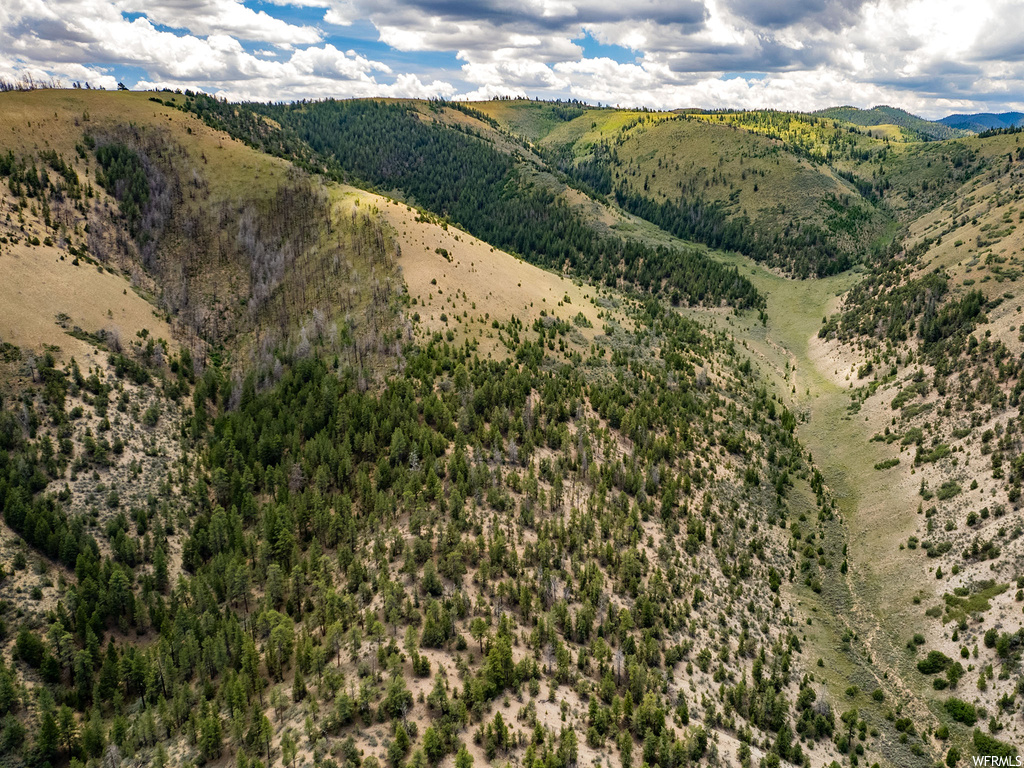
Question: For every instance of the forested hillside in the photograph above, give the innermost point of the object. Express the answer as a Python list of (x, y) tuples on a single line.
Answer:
[(470, 181), (314, 544), (812, 194), (300, 473), (880, 116)]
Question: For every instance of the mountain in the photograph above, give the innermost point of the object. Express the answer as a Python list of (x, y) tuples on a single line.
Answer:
[(916, 127), (984, 121), (406, 433)]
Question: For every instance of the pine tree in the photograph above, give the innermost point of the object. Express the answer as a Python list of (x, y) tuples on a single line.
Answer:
[(433, 745), (261, 733), (210, 736), (93, 740), (161, 577), (47, 738), (399, 746), (289, 749), (463, 759), (66, 726), (298, 686)]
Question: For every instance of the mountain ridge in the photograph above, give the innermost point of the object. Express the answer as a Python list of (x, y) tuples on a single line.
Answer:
[(883, 114), (984, 121)]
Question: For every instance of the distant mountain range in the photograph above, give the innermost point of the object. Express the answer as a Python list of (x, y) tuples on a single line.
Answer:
[(950, 127), (884, 115), (984, 121)]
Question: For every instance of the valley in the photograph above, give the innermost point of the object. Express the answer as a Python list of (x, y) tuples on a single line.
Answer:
[(415, 433)]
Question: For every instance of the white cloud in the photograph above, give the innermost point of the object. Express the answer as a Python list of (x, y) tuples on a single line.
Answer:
[(323, 72), (44, 40), (929, 56), (337, 17), (514, 74), (225, 17)]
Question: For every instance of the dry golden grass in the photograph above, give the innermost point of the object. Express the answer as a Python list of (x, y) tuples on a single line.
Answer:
[(43, 120), (38, 285), (41, 282), (476, 283)]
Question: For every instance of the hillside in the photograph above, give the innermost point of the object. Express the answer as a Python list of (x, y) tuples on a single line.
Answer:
[(471, 179), (930, 347), (413, 434), (171, 506), (881, 116), (808, 194), (154, 195)]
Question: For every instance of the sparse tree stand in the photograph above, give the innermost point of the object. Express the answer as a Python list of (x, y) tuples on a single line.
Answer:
[(642, 504)]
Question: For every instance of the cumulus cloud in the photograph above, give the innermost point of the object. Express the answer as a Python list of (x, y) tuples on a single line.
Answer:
[(930, 56), (47, 40), (221, 17)]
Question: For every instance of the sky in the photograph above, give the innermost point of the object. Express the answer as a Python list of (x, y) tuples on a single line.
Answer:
[(931, 57)]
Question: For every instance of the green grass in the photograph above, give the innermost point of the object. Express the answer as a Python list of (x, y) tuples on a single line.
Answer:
[(546, 123), (958, 607), (744, 170), (872, 599), (940, 451)]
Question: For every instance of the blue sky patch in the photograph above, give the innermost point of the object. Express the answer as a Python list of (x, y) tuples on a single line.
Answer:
[(748, 76), (592, 49)]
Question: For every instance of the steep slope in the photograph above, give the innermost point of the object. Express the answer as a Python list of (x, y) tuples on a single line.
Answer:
[(463, 289), (930, 346), (225, 241), (691, 175), (394, 493), (230, 534), (475, 181)]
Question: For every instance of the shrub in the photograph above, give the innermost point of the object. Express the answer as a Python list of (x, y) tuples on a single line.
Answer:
[(30, 648), (935, 661), (151, 415), (961, 711)]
